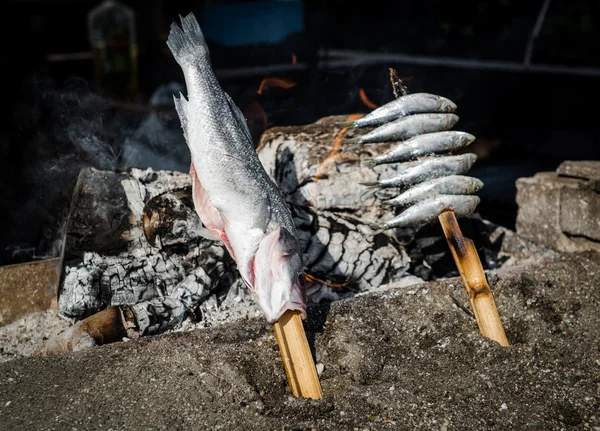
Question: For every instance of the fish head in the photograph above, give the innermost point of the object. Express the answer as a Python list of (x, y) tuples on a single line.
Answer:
[(447, 105), (466, 138), (278, 282)]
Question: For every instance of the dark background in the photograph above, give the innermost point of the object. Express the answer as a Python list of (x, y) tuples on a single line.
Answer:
[(526, 119)]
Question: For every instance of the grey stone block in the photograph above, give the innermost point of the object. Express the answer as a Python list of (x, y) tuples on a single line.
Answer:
[(561, 209)]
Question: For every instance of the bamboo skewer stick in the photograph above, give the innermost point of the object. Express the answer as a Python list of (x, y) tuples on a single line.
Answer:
[(296, 355), (470, 269)]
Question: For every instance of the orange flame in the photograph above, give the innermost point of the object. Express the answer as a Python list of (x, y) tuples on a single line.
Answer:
[(294, 58), (364, 99), (273, 81), (336, 148)]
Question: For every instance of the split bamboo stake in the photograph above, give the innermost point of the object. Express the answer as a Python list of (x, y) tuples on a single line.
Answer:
[(470, 269), (296, 355)]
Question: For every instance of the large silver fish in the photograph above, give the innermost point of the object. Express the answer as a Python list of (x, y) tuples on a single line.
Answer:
[(235, 198)]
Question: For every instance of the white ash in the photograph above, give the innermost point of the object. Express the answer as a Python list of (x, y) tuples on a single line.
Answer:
[(21, 337), (160, 284)]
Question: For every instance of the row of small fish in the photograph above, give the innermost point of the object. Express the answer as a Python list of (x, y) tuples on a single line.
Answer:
[(432, 183)]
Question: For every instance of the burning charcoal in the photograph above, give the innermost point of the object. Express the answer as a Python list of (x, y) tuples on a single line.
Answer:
[(98, 274), (163, 268)]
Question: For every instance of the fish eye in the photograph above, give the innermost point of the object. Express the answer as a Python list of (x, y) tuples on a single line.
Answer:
[(301, 279)]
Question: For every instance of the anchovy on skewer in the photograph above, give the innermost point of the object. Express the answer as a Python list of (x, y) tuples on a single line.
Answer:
[(450, 185), (405, 128), (429, 209), (426, 169), (423, 145), (409, 104)]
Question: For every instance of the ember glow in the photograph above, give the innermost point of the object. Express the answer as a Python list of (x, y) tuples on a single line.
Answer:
[(331, 158), (294, 58), (312, 278), (364, 99), (274, 81)]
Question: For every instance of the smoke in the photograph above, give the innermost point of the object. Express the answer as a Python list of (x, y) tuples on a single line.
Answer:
[(55, 133)]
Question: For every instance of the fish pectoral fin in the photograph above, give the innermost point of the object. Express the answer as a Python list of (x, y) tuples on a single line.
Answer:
[(181, 105), (207, 233), (239, 116), (209, 215)]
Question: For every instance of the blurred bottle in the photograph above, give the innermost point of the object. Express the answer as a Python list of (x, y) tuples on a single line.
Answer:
[(112, 38)]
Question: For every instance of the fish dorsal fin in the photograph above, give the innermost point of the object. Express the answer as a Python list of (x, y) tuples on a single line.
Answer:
[(239, 116), (181, 105)]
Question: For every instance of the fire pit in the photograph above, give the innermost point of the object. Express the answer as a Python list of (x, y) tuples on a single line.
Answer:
[(132, 238)]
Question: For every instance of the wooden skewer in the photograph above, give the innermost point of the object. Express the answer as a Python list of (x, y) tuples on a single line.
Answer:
[(297, 357), (470, 269)]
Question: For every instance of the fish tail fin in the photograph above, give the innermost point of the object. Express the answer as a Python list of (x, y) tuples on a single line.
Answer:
[(386, 204), (370, 184), (369, 162), (354, 144), (345, 123), (186, 41), (377, 229)]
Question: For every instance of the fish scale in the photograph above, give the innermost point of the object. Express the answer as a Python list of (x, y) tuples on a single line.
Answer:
[(432, 181)]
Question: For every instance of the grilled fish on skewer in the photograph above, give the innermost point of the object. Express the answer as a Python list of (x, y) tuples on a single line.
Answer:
[(423, 145), (450, 185), (426, 169), (405, 128), (416, 103), (233, 194), (429, 209)]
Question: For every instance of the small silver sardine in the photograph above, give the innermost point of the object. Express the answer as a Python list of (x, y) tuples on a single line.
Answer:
[(409, 104), (405, 128), (426, 169), (423, 145), (450, 185), (236, 200), (428, 210)]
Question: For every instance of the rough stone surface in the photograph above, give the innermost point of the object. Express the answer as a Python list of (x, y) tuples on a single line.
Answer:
[(585, 169), (559, 211), (403, 358)]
